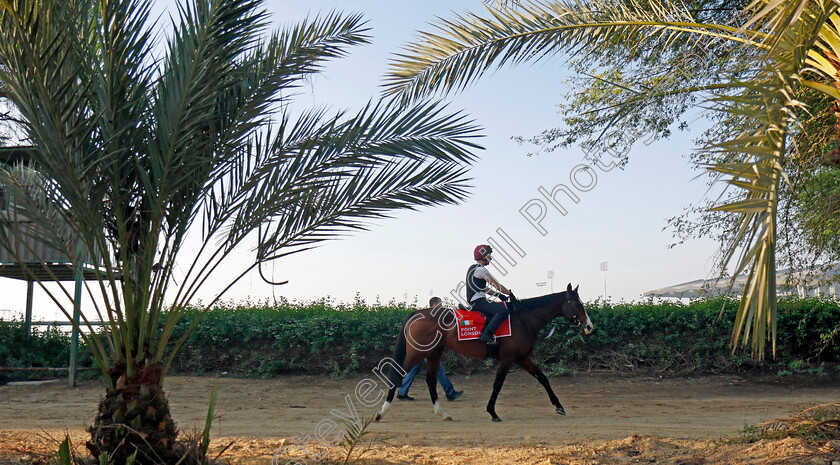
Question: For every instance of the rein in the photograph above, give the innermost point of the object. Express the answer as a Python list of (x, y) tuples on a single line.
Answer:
[(546, 321), (551, 332)]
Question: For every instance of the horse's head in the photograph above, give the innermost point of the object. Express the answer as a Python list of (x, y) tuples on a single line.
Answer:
[(572, 309)]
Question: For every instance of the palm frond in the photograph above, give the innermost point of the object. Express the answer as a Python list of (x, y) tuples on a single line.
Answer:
[(776, 17), (756, 316), (382, 146), (769, 113), (462, 50), (824, 59)]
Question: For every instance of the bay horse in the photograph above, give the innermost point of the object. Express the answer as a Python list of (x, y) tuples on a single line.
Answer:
[(425, 334)]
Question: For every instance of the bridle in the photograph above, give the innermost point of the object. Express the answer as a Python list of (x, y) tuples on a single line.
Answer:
[(574, 319)]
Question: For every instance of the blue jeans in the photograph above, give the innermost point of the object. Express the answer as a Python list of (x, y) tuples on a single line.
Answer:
[(448, 389)]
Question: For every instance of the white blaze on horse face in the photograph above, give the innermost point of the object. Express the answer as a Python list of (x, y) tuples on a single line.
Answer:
[(587, 329)]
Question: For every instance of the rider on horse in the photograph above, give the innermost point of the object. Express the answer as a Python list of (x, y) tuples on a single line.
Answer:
[(477, 280)]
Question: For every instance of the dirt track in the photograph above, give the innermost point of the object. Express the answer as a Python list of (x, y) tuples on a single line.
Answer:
[(600, 409)]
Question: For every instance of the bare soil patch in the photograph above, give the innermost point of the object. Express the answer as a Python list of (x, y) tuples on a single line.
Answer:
[(610, 420)]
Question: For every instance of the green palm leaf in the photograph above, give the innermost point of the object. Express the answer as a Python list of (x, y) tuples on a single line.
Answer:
[(462, 50)]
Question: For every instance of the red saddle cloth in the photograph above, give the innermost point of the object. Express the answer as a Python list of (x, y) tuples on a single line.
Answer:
[(471, 322)]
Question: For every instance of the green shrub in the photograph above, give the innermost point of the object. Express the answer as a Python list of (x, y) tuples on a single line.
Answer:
[(268, 340), (48, 348), (263, 340)]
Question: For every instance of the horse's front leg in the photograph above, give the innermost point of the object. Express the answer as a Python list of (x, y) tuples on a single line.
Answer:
[(532, 368), (433, 366), (502, 370)]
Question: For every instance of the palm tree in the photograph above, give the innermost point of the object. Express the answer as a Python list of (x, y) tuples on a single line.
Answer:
[(786, 44), (134, 155)]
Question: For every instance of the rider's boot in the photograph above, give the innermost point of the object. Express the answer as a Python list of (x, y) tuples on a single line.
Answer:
[(491, 326)]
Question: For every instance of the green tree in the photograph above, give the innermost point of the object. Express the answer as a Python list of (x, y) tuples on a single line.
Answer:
[(818, 209), (813, 164), (626, 74), (778, 46), (137, 151)]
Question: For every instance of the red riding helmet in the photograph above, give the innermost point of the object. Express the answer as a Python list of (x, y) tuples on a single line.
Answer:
[(482, 251)]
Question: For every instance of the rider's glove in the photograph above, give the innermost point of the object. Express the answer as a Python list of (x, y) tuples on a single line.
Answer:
[(503, 297)]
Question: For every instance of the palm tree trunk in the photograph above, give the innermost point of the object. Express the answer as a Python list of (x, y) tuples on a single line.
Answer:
[(134, 418)]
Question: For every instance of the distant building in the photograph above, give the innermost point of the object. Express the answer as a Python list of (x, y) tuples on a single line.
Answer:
[(7, 315), (803, 283)]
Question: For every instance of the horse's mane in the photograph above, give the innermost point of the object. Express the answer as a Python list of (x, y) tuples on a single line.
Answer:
[(539, 302)]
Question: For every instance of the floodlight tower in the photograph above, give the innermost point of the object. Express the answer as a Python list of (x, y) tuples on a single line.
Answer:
[(604, 270)]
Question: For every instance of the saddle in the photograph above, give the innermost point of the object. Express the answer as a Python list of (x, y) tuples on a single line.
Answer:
[(470, 323)]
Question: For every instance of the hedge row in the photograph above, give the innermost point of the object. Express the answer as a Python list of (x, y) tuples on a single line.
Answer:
[(317, 338), (665, 338), (46, 348), (268, 341)]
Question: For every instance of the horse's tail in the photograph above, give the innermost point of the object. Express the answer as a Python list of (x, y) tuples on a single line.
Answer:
[(395, 376), (396, 373)]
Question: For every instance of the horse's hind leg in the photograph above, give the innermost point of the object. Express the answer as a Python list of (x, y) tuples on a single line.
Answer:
[(431, 381), (532, 368), (395, 377)]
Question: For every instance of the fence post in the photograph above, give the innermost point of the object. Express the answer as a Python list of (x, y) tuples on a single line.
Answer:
[(27, 322), (77, 304)]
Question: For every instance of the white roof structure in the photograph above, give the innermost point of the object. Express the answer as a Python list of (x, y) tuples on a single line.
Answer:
[(821, 281)]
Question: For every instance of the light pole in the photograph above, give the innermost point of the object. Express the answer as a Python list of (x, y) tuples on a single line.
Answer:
[(551, 278), (604, 270)]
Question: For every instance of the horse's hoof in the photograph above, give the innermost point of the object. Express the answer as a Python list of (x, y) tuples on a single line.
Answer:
[(561, 411), (377, 417), (447, 418), (497, 420)]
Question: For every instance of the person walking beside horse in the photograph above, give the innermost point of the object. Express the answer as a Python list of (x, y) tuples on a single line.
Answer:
[(451, 394)]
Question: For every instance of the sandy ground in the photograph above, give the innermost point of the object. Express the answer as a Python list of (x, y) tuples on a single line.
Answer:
[(610, 420)]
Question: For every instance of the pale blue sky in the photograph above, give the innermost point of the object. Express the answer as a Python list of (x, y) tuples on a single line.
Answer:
[(620, 220)]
